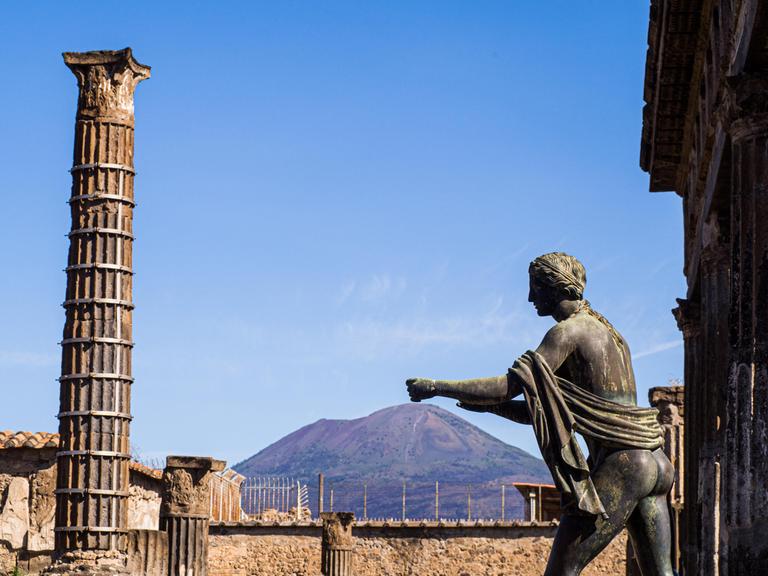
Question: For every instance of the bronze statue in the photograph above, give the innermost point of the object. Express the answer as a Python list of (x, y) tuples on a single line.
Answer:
[(580, 380)]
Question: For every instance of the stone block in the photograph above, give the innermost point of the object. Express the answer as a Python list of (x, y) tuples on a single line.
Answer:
[(14, 517)]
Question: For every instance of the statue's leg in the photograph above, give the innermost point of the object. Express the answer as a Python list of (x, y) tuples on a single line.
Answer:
[(624, 478), (650, 532), (649, 526)]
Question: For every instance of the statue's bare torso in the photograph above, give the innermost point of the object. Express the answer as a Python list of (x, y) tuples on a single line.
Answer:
[(585, 351)]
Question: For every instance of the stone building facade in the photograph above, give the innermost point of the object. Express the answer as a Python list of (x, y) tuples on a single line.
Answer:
[(705, 137)]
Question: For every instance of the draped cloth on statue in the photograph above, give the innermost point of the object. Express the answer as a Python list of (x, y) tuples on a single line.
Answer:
[(560, 409)]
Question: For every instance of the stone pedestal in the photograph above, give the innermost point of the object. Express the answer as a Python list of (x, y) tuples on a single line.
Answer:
[(336, 555), (185, 512)]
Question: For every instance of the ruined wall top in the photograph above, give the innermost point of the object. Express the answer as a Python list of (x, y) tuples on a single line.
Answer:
[(670, 401), (107, 80)]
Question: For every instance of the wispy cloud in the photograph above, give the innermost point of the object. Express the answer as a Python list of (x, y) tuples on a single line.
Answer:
[(506, 262), (381, 286), (345, 292), (657, 348), (15, 358), (377, 288), (370, 336)]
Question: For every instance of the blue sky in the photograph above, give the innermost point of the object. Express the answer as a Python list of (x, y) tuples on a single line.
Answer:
[(335, 196)]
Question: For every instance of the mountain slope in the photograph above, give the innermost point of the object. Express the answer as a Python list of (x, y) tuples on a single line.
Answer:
[(415, 443)]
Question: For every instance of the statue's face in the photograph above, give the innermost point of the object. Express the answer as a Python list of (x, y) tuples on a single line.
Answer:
[(543, 298)]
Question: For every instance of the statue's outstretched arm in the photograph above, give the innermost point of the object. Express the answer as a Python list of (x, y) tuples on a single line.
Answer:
[(480, 391), (515, 410)]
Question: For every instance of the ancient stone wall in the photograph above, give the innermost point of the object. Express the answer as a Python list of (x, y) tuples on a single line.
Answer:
[(28, 505), (144, 503), (27, 508), (248, 550)]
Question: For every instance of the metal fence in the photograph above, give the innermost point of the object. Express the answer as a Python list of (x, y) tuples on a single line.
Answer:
[(434, 500), (427, 500), (271, 498), (274, 497)]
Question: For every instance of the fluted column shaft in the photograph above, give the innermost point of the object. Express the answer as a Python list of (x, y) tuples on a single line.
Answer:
[(95, 383), (185, 512), (745, 515)]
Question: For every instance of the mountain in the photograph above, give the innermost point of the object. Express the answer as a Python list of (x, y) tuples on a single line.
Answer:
[(413, 443)]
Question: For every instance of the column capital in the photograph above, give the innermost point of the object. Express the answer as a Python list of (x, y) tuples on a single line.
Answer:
[(186, 485), (107, 80), (688, 318), (337, 529), (745, 104)]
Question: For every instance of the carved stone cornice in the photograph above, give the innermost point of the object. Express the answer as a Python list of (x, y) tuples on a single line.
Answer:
[(107, 80), (688, 318), (745, 105)]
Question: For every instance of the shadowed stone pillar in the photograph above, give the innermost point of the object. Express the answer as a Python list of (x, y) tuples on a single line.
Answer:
[(670, 401), (688, 316), (185, 512), (746, 452), (336, 555), (714, 289), (95, 383)]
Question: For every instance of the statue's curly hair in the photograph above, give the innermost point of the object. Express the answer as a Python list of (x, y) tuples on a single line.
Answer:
[(561, 272)]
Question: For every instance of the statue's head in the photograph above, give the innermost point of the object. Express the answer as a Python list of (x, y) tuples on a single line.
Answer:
[(555, 277)]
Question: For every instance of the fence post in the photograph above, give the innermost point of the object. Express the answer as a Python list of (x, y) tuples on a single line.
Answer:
[(365, 501), (437, 501), (469, 502), (403, 500), (320, 490), (502, 502), (298, 500)]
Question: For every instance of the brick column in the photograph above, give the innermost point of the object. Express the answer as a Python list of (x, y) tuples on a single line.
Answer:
[(185, 512), (95, 383), (336, 555)]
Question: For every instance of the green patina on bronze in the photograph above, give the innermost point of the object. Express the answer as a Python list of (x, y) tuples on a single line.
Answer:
[(580, 380)]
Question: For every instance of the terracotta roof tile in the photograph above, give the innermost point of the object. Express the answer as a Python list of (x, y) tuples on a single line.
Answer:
[(11, 439), (146, 470)]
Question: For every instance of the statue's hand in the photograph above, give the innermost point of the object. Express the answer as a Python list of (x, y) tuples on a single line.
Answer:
[(420, 389), (472, 407)]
